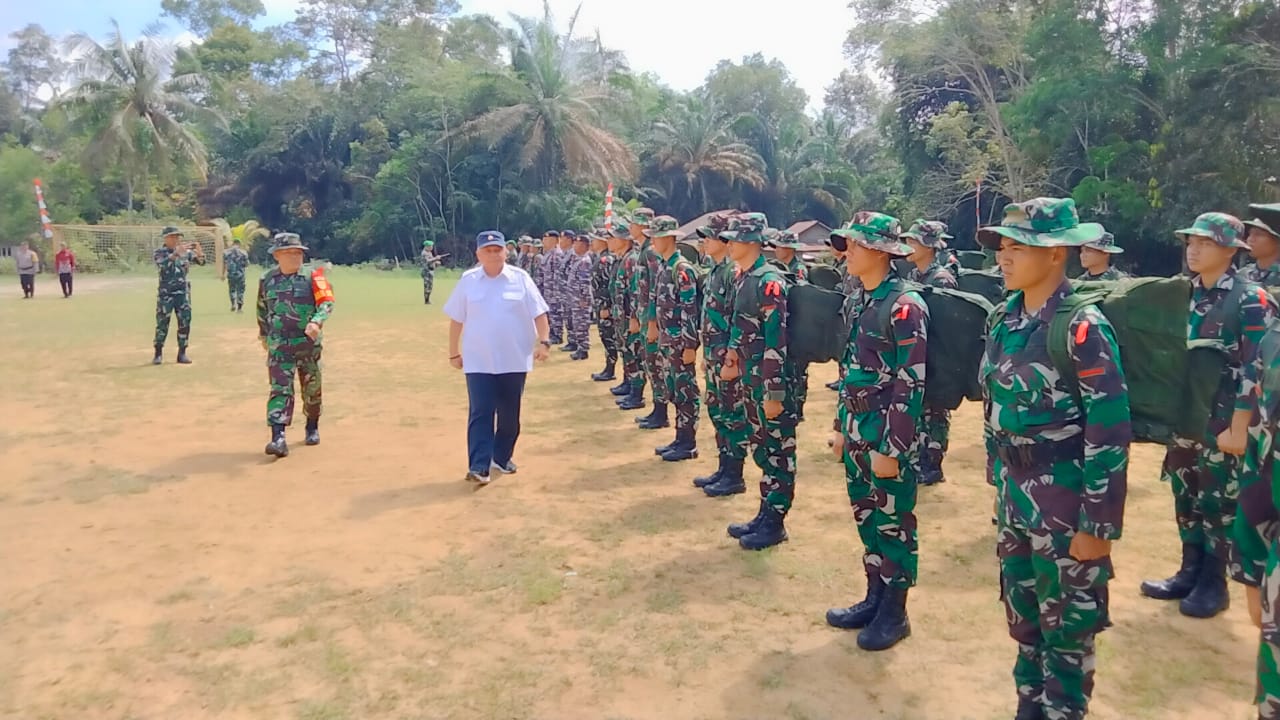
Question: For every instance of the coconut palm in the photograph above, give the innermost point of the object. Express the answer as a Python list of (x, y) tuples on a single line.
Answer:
[(137, 106), (553, 119), (695, 152)]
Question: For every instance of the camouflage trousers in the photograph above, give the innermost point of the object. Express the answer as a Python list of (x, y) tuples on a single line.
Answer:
[(773, 448), (934, 432), (179, 305), (726, 411), (580, 323), (1055, 605), (1205, 483), (608, 337), (885, 511), (284, 358), (655, 368), (428, 283), (1268, 687), (555, 313), (633, 361), (682, 387), (235, 290)]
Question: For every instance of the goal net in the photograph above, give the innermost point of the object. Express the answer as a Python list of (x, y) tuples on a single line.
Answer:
[(127, 248)]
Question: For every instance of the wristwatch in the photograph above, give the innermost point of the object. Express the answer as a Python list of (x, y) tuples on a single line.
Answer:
[(545, 343)]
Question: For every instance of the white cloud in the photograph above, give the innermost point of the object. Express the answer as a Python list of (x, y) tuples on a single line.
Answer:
[(680, 41)]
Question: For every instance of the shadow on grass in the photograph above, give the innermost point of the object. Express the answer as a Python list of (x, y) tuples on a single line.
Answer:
[(371, 505), (210, 462)]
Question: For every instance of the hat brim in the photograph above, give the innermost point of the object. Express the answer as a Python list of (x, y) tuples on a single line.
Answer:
[(1185, 233), (838, 242), (1263, 226), (289, 247), (664, 234), (896, 249), (1108, 249), (1082, 234)]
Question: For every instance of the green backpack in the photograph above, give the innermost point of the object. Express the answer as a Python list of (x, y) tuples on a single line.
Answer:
[(814, 324), (987, 283), (824, 276), (972, 259)]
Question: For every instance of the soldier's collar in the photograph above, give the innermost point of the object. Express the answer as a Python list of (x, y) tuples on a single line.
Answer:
[(1225, 282)]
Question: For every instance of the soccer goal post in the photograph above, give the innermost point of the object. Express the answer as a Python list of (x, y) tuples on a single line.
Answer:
[(129, 248)]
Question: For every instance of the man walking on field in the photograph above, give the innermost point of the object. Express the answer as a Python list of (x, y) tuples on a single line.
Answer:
[(173, 261)]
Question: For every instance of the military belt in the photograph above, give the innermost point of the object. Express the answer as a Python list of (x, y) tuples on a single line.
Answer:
[(1032, 455), (860, 404)]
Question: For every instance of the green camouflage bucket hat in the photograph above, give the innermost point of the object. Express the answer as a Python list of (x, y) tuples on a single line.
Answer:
[(874, 231), (287, 241), (1106, 244), (1042, 222), (750, 228), (525, 240), (1225, 230), (170, 230), (663, 226), (642, 217), (787, 239), (930, 233), (716, 224), (1266, 217)]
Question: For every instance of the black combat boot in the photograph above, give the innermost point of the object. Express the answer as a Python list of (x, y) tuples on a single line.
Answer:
[(658, 419), (622, 389), (1179, 586), (730, 482), (313, 431), (1209, 596), (605, 375), (569, 347), (579, 355), (1029, 709), (277, 446), (633, 401), (684, 448), (769, 531), (182, 356), (647, 418), (859, 615), (890, 625), (701, 482), (738, 530), (664, 449), (159, 358)]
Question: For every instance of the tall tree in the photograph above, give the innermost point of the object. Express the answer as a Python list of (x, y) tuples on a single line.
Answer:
[(204, 16), (696, 158), (34, 66)]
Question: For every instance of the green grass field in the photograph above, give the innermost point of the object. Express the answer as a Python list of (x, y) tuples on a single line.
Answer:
[(157, 565)]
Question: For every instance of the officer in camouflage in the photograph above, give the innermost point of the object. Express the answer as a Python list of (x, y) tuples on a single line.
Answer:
[(1204, 473), (786, 250), (928, 241), (757, 358), (602, 272), (173, 296), (878, 429), (642, 223), (292, 309), (676, 313), (630, 392), (541, 269), (552, 264), (561, 267), (429, 261), (578, 298), (1095, 257), (1264, 246), (234, 263), (513, 253), (1058, 456), (724, 399), (851, 288)]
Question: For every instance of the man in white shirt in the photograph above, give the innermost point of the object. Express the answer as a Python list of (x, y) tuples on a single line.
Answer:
[(500, 320)]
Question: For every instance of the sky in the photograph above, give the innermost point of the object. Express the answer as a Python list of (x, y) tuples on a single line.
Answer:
[(659, 36)]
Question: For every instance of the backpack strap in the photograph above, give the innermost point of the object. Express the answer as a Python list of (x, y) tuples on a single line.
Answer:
[(1058, 343), (1226, 312), (884, 313)]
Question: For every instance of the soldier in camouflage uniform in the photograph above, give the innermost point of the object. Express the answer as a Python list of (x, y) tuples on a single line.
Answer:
[(625, 313), (878, 429), (234, 263), (928, 242), (578, 298), (1096, 259), (641, 223), (541, 270), (1264, 246), (724, 399), (851, 288), (786, 250), (429, 261), (757, 358), (513, 253), (552, 270), (602, 271), (292, 309), (173, 296), (1204, 473), (676, 313), (560, 273), (1058, 455)]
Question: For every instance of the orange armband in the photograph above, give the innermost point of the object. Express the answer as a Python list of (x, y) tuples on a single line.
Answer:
[(320, 287)]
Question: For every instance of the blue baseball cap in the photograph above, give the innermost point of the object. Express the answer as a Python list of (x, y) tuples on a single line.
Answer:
[(490, 237)]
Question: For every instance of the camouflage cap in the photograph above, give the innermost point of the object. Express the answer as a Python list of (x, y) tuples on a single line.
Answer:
[(874, 231), (1106, 244), (1266, 218), (1042, 222), (716, 224), (642, 216), (621, 230), (663, 226), (169, 230), (930, 233), (787, 239), (1225, 230), (525, 240), (750, 228), (287, 241), (428, 243)]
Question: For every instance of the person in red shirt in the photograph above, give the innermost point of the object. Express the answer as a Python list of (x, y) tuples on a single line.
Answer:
[(65, 261)]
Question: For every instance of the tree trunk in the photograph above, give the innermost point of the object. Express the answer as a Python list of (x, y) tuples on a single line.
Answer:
[(128, 189)]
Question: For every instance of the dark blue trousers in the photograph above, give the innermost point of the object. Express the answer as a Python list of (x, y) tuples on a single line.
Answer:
[(494, 421)]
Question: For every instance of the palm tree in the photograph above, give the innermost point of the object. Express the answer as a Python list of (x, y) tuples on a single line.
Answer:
[(694, 151), (554, 117), (137, 106), (809, 176)]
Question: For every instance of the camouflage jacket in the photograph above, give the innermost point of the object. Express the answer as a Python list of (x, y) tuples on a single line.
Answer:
[(602, 272), (286, 303), (626, 277), (553, 270), (173, 266), (647, 286), (236, 261), (1109, 274), (565, 268), (1027, 403), (939, 274), (1240, 335), (538, 271), (577, 286), (798, 269), (885, 371), (851, 286), (759, 332), (1269, 277), (1257, 523), (676, 303), (717, 310)]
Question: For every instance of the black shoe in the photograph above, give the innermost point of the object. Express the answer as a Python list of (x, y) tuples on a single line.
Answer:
[(890, 625), (859, 615), (313, 432), (1209, 596), (182, 357), (233, 308), (1029, 709), (730, 481), (568, 347), (605, 375), (621, 390), (1179, 586), (657, 420), (277, 446), (664, 449), (932, 478), (701, 482), (579, 355), (159, 358), (738, 530), (634, 401), (684, 448), (769, 532)]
